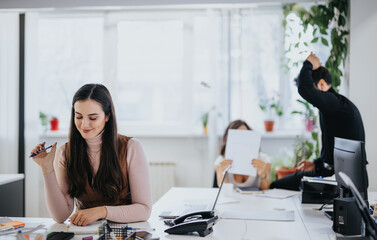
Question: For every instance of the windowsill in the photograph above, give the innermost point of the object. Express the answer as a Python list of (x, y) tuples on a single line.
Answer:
[(277, 134)]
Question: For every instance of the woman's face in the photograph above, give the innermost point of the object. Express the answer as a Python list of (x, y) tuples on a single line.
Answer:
[(242, 127), (90, 119)]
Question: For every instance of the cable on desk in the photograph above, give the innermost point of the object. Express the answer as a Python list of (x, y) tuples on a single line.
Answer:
[(243, 237), (325, 204)]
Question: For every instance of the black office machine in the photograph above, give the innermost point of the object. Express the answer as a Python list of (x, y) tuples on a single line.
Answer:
[(200, 222), (317, 192), (349, 158)]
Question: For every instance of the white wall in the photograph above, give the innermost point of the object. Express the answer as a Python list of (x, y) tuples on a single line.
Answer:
[(363, 77), (9, 89)]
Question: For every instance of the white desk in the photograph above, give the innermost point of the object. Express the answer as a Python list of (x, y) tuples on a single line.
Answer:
[(308, 224)]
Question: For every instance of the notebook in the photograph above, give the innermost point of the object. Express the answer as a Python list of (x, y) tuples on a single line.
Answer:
[(249, 190), (174, 212)]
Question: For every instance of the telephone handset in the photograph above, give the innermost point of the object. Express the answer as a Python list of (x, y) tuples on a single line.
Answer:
[(201, 222)]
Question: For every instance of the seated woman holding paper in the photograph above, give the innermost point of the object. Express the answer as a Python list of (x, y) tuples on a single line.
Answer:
[(107, 173), (262, 164)]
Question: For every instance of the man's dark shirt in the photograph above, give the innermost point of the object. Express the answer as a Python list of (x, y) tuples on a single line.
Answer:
[(338, 116)]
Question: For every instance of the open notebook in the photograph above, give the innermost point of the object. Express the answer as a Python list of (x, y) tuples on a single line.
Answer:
[(174, 212)]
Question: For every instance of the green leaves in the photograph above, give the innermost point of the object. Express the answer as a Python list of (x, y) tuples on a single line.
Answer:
[(324, 41), (323, 18)]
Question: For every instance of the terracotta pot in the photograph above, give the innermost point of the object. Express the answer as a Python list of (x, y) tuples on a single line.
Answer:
[(283, 172), (309, 125), (54, 124), (269, 125)]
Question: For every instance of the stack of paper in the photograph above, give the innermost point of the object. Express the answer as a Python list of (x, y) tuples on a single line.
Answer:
[(329, 181), (259, 215), (278, 193)]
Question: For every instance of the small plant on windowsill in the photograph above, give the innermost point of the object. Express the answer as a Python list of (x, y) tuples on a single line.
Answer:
[(204, 119), (309, 115), (272, 108), (43, 118)]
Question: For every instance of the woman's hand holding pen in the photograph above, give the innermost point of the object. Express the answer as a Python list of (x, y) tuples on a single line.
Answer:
[(44, 159)]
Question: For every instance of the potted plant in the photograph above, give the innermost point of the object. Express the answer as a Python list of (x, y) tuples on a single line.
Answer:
[(43, 118), (54, 122), (303, 149), (309, 114), (204, 119), (272, 108)]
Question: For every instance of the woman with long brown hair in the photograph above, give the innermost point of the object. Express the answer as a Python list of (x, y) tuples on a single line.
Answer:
[(107, 173), (262, 165)]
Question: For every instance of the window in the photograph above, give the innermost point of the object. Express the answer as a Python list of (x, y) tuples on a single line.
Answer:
[(69, 55), (165, 69), (256, 54), (150, 59)]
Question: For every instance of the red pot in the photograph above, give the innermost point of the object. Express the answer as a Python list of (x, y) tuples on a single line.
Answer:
[(54, 124), (269, 126)]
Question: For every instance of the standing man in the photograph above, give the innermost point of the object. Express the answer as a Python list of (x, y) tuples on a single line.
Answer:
[(338, 116)]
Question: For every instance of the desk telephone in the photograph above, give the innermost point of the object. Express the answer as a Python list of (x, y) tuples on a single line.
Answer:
[(200, 222)]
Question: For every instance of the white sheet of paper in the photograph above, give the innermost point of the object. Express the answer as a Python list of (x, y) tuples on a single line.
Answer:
[(241, 147), (91, 228), (278, 193), (259, 215)]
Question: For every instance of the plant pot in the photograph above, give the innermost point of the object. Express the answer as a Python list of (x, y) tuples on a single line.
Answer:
[(269, 125), (205, 129), (283, 172), (309, 125), (54, 124)]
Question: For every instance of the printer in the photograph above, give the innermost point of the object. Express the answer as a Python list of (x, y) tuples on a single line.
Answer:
[(318, 190)]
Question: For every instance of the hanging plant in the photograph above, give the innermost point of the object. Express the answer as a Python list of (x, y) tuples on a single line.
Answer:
[(324, 18)]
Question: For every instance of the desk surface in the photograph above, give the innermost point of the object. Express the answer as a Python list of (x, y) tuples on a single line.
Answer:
[(7, 178), (309, 223)]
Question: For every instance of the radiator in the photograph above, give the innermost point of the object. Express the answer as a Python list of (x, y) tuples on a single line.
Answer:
[(162, 178)]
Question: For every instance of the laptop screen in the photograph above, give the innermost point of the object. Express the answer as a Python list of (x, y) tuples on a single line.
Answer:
[(221, 186)]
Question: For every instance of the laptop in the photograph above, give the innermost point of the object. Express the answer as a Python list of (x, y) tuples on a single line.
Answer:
[(177, 211)]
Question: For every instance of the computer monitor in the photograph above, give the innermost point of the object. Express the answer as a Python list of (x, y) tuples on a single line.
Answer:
[(349, 157), (370, 224)]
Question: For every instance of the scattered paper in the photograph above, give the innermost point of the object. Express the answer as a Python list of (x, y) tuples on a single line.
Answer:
[(242, 146), (329, 181), (221, 200), (278, 193), (91, 228), (268, 215)]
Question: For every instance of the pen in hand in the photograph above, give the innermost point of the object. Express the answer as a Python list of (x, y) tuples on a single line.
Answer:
[(33, 155)]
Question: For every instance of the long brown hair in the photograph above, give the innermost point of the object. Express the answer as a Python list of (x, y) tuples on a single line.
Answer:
[(233, 125), (109, 179)]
